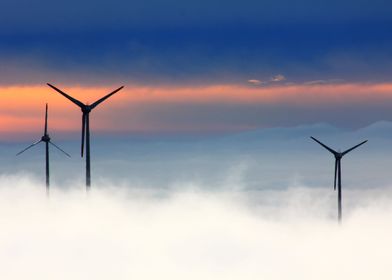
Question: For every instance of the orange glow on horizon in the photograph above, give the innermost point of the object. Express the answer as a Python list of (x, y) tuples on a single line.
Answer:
[(22, 107)]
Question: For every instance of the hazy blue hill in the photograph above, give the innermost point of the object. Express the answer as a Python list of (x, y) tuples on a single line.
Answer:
[(298, 138), (375, 131), (381, 129), (283, 133), (261, 158)]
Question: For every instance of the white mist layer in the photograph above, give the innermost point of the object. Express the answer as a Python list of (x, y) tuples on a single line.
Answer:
[(114, 233)]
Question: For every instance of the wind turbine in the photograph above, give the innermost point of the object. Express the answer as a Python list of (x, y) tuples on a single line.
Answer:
[(338, 171), (46, 139), (86, 109)]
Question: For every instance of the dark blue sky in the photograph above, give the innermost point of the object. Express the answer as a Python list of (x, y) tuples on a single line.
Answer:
[(76, 15), (194, 42)]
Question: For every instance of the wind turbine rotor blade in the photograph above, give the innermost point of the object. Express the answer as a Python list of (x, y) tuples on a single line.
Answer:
[(32, 145), (46, 120), (77, 102), (325, 146), (336, 173), (96, 103), (83, 133), (356, 146), (59, 148)]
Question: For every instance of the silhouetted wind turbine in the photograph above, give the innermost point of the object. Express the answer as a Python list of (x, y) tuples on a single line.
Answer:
[(86, 109), (338, 171), (45, 138)]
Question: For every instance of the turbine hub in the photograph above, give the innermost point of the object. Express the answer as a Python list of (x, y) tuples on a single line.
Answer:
[(86, 109), (45, 138)]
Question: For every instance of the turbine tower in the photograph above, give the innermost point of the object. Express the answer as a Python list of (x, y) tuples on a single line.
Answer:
[(338, 171), (46, 139), (86, 109)]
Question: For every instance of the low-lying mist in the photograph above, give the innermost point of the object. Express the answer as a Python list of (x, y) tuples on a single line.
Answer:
[(188, 232)]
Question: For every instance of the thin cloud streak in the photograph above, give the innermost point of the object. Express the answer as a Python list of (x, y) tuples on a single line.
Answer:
[(255, 82), (278, 78)]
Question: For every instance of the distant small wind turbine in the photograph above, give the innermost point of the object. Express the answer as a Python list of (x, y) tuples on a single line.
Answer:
[(45, 138), (338, 171), (86, 109)]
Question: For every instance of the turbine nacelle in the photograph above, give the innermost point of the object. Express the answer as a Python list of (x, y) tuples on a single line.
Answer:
[(45, 138), (338, 155), (86, 109)]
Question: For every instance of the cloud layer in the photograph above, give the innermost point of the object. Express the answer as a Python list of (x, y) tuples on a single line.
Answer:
[(121, 234)]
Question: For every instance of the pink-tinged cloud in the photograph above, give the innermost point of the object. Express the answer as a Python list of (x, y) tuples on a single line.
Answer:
[(214, 108)]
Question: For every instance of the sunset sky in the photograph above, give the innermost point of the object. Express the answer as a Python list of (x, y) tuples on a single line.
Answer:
[(195, 67), (202, 167)]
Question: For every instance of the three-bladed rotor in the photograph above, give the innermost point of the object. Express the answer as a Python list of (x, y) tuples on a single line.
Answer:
[(86, 109), (338, 157), (45, 137)]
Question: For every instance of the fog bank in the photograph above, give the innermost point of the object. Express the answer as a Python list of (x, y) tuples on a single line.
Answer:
[(124, 233)]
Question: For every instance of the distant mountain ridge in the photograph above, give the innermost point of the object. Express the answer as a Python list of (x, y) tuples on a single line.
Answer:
[(378, 129)]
